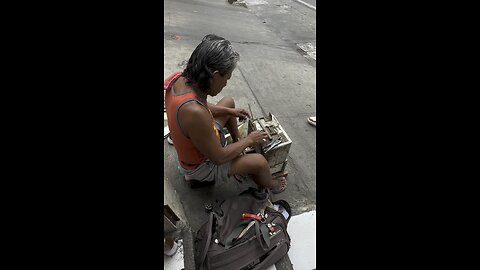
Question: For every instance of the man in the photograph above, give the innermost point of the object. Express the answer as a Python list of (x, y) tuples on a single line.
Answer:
[(196, 125)]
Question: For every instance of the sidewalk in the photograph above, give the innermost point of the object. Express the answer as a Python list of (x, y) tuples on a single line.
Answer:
[(271, 76)]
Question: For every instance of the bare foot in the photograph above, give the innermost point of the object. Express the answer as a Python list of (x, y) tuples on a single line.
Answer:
[(282, 185)]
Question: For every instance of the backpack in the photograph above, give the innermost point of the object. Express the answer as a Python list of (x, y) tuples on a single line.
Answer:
[(245, 232)]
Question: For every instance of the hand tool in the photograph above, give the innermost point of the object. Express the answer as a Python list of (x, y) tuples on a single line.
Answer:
[(270, 143), (265, 129), (244, 231), (251, 216), (273, 145), (250, 109)]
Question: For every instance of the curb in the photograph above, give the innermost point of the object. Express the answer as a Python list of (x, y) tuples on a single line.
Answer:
[(188, 247)]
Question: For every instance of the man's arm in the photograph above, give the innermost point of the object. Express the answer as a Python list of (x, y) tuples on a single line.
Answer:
[(219, 110), (196, 121)]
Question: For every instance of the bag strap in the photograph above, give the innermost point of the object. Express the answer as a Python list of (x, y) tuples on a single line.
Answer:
[(207, 245), (272, 258), (262, 234)]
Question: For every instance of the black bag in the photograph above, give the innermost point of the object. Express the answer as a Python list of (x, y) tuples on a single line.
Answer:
[(230, 241)]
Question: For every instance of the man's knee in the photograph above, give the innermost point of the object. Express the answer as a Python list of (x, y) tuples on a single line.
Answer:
[(259, 161), (227, 102)]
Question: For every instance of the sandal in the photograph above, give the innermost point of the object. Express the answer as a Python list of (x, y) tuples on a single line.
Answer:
[(312, 120), (281, 187)]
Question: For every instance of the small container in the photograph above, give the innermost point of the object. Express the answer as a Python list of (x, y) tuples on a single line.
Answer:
[(170, 246)]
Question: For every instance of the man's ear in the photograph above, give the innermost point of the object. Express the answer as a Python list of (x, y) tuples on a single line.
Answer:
[(216, 73)]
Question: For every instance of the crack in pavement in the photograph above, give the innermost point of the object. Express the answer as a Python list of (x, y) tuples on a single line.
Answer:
[(286, 47), (299, 115)]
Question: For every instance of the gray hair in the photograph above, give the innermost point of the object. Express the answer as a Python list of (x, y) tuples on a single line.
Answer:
[(213, 53)]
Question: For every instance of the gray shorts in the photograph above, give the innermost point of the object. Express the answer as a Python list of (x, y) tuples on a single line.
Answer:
[(207, 171)]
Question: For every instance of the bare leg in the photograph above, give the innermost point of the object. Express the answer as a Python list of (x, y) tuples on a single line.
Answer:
[(228, 121), (256, 165)]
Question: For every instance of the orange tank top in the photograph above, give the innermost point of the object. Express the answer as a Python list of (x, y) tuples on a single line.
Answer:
[(188, 155)]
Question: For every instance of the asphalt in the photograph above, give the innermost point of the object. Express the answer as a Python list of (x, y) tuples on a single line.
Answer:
[(273, 75)]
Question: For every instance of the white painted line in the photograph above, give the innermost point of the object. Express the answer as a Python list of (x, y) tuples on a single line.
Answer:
[(255, 2), (306, 4)]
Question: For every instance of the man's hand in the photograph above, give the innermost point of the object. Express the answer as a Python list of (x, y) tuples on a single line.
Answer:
[(256, 136), (240, 113)]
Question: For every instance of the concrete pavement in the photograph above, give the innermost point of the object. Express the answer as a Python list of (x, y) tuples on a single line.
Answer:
[(272, 76)]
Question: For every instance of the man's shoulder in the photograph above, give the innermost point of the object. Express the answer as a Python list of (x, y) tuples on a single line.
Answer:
[(195, 108), (168, 81), (194, 117)]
